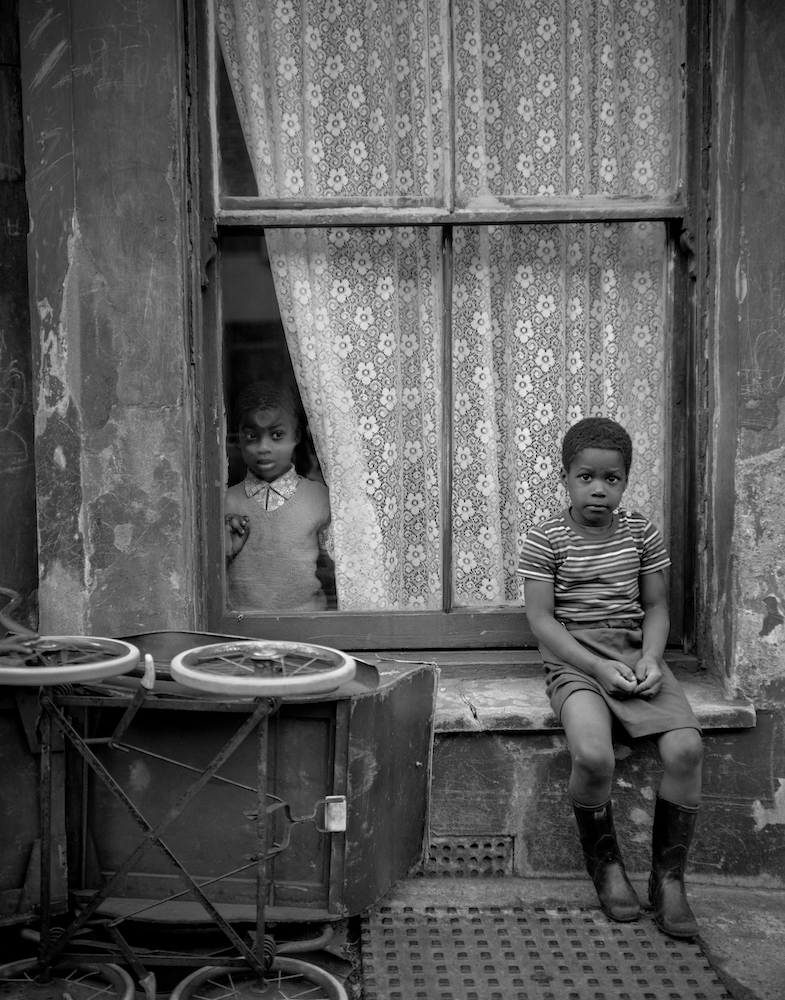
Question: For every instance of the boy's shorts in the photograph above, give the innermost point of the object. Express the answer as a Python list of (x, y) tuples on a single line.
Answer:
[(666, 711)]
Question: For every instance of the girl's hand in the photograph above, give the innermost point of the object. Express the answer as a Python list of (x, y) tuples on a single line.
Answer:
[(616, 678), (238, 530), (649, 677)]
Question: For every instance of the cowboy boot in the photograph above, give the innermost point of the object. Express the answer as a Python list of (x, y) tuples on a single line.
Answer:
[(671, 836), (603, 862)]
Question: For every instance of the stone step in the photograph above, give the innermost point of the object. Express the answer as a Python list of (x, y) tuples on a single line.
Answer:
[(504, 690), (499, 802)]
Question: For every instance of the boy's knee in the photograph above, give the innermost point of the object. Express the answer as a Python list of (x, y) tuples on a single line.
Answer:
[(596, 763), (682, 748)]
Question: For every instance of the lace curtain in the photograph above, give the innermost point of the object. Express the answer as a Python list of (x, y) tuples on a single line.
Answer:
[(565, 97), (552, 323), (338, 98), (345, 99), (362, 311)]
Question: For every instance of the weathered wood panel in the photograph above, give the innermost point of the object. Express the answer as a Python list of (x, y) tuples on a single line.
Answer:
[(746, 605), (103, 106), (17, 467)]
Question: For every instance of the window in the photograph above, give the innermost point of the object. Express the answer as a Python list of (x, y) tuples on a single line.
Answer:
[(451, 222)]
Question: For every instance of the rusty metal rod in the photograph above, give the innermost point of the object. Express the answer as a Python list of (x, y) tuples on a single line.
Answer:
[(152, 834)]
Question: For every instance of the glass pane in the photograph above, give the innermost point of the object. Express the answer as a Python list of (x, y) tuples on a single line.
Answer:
[(551, 324), (356, 316), (236, 170), (572, 99), (258, 375), (334, 100)]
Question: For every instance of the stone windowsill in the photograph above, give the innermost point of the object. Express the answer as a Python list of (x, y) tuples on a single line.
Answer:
[(482, 691)]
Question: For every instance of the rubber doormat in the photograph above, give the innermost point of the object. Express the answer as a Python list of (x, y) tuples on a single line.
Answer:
[(526, 953)]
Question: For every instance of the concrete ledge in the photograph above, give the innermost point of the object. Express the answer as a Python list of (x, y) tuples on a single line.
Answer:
[(504, 690)]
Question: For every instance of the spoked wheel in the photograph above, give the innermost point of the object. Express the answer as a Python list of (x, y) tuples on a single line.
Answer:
[(263, 669), (22, 981), (63, 659), (287, 979), (30, 659)]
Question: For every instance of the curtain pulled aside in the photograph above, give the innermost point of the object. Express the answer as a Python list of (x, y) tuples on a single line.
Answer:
[(549, 323)]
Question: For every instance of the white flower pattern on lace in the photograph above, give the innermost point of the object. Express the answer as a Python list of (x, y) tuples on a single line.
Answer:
[(552, 367), (598, 74), (550, 322)]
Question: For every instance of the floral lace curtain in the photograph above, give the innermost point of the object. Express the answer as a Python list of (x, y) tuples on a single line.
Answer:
[(345, 99), (366, 308), (338, 98), (552, 323), (565, 97)]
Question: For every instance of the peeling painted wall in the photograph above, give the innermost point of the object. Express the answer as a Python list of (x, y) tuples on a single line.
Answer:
[(759, 606), (746, 595), (103, 109), (17, 467)]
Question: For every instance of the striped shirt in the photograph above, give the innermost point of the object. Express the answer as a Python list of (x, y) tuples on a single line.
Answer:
[(595, 577)]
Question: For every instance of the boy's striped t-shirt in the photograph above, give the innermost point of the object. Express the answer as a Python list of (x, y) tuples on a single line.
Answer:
[(594, 578)]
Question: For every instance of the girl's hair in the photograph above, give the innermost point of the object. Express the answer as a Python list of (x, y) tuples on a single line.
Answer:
[(596, 432), (271, 394), (267, 394)]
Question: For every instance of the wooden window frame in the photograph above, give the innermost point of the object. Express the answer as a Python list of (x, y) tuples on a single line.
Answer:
[(455, 628)]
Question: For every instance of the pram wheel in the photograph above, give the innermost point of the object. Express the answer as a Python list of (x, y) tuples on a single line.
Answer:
[(258, 669), (63, 659), (287, 979), (20, 981)]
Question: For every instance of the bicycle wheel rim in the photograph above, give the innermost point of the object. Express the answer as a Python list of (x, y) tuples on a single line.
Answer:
[(117, 978), (120, 657), (333, 989), (192, 669)]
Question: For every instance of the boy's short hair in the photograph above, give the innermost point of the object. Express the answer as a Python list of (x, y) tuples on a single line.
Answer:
[(269, 394), (596, 432)]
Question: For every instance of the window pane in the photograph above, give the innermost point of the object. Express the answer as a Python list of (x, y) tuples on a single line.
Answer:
[(236, 170), (360, 318), (551, 323), (266, 573), (569, 99), (336, 100)]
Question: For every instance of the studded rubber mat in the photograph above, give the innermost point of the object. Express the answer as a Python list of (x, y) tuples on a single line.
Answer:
[(526, 953)]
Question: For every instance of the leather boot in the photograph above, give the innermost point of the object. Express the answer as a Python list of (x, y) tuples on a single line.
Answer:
[(603, 862), (671, 836)]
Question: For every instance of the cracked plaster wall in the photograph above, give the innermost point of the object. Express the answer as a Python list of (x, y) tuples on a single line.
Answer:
[(746, 577), (17, 465), (758, 667), (113, 430)]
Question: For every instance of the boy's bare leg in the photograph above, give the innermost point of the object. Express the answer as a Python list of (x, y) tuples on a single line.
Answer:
[(587, 724), (681, 752)]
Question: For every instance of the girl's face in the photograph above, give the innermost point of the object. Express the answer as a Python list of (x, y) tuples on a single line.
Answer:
[(267, 442), (595, 481)]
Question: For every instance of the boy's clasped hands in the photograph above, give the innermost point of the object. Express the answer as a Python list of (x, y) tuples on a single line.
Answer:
[(643, 680)]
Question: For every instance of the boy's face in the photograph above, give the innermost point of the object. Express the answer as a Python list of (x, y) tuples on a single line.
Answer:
[(595, 481), (267, 441)]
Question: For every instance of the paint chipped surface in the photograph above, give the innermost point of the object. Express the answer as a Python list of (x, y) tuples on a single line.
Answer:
[(766, 816), (113, 438), (363, 767), (759, 642), (139, 776)]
